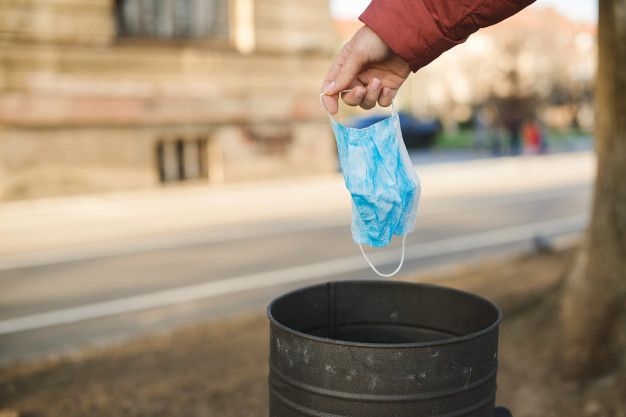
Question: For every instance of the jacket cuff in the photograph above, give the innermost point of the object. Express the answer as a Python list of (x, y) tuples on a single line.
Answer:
[(409, 29)]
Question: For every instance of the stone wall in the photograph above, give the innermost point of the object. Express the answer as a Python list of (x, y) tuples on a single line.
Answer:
[(83, 110)]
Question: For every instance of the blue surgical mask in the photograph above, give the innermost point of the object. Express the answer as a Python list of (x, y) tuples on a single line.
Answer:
[(382, 183)]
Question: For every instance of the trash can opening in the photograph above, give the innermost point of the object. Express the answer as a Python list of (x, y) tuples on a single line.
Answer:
[(384, 312)]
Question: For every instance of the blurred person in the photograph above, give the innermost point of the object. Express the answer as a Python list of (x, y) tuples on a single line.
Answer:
[(532, 137), (543, 136), (400, 37)]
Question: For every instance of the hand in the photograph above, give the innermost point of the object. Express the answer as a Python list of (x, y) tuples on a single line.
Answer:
[(369, 68)]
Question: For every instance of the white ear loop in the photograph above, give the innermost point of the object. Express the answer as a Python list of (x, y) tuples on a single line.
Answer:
[(376, 270)]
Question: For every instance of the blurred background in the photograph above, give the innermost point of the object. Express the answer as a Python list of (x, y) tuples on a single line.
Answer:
[(105, 96), (167, 162)]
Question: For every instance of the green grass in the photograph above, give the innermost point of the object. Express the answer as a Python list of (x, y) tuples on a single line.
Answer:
[(461, 139), (464, 138), (565, 135)]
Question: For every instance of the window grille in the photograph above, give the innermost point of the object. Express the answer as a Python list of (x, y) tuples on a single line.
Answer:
[(182, 159), (173, 19)]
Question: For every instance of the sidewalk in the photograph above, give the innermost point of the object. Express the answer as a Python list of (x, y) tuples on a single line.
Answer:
[(36, 225), (219, 368)]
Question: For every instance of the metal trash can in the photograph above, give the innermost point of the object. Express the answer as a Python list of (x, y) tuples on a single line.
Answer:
[(382, 349)]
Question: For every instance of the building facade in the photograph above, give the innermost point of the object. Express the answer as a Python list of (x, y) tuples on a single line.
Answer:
[(102, 95)]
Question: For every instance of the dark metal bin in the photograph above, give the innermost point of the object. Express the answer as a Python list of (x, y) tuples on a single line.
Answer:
[(382, 349)]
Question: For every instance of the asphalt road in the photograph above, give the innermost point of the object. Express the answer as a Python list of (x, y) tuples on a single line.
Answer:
[(105, 297)]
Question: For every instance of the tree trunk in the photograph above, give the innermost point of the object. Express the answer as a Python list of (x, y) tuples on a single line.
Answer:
[(594, 296)]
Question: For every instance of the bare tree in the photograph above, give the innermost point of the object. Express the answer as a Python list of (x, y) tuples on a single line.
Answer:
[(595, 292)]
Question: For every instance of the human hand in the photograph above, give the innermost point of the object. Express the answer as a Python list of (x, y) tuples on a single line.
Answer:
[(367, 67)]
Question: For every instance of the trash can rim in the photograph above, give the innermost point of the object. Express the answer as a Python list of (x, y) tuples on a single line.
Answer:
[(448, 341)]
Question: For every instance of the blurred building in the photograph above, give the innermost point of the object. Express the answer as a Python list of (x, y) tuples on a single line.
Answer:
[(102, 95)]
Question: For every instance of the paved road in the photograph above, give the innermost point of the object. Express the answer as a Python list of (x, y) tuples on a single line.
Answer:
[(105, 268), (179, 278)]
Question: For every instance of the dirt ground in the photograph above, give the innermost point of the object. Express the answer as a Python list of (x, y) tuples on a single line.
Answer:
[(219, 369)]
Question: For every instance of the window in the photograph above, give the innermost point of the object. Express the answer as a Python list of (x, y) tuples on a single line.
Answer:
[(173, 19), (182, 159)]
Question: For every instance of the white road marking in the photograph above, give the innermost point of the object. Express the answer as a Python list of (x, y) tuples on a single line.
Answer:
[(239, 232), (506, 235)]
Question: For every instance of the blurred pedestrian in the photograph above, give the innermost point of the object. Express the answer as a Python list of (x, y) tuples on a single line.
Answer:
[(532, 137), (401, 36)]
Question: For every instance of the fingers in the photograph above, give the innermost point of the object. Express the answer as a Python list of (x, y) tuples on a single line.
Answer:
[(386, 96), (330, 99), (340, 77), (331, 103), (335, 68), (363, 96), (367, 96), (373, 91), (355, 96), (347, 75)]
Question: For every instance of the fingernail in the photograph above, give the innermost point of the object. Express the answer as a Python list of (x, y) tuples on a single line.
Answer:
[(375, 84), (386, 92), (329, 87), (359, 92)]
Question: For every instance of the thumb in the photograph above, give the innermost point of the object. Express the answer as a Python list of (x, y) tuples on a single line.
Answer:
[(349, 70)]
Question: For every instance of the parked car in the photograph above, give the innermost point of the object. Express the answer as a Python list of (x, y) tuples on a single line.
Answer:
[(416, 133)]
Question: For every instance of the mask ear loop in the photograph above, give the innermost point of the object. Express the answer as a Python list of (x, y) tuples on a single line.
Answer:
[(322, 103), (376, 270)]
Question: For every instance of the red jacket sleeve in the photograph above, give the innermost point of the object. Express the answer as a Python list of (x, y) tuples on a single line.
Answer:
[(421, 30)]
